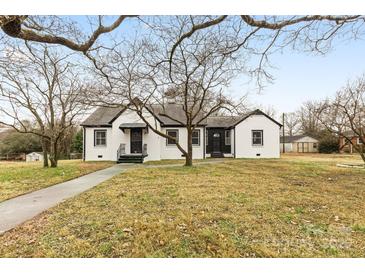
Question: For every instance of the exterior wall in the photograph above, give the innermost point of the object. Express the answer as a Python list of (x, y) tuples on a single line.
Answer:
[(304, 147), (93, 153), (115, 136), (172, 152), (271, 140), (288, 147), (157, 148), (148, 137), (345, 146), (34, 157), (305, 144)]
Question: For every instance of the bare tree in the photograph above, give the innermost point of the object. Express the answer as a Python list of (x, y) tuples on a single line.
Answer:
[(308, 118), (266, 34), (180, 53), (145, 76), (58, 30), (40, 83), (344, 115), (291, 122), (309, 32)]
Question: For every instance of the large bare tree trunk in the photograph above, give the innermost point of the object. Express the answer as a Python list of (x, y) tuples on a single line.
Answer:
[(45, 152), (53, 155), (189, 155)]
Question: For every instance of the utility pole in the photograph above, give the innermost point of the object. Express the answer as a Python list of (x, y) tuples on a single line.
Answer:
[(283, 132)]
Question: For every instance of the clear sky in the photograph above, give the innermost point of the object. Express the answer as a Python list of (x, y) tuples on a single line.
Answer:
[(300, 77)]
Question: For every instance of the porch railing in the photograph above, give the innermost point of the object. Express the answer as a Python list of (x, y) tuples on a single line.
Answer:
[(144, 151), (121, 150)]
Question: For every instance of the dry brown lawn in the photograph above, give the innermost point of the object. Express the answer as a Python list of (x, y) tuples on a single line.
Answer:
[(297, 206)]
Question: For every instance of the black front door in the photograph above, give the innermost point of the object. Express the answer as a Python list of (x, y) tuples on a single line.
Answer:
[(136, 140), (216, 142)]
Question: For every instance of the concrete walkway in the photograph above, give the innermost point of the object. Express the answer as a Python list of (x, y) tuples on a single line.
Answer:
[(22, 208)]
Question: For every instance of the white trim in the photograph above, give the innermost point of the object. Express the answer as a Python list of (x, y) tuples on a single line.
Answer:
[(105, 138), (262, 137), (196, 145), (227, 138)]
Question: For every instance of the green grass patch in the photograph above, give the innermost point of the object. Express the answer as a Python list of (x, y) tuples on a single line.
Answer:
[(17, 178), (359, 228)]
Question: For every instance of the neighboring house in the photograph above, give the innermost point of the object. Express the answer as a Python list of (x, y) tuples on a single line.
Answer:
[(34, 157), (118, 134), (347, 146), (298, 143)]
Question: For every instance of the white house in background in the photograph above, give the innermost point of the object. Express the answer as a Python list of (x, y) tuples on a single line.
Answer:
[(118, 134), (34, 157), (299, 143)]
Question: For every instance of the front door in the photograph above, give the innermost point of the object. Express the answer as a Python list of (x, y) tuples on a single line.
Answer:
[(216, 142), (136, 140)]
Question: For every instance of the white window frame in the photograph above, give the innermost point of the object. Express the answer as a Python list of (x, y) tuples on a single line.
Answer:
[(262, 137), (96, 131), (177, 136), (227, 139), (198, 144)]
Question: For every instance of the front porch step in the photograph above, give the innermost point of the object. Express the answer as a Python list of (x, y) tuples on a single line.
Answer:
[(131, 158), (217, 155)]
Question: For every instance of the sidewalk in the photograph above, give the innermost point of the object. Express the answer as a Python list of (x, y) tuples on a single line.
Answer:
[(22, 208)]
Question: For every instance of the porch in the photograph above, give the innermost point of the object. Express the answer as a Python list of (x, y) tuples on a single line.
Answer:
[(137, 149)]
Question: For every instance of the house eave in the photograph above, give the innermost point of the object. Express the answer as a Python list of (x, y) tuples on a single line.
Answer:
[(98, 126)]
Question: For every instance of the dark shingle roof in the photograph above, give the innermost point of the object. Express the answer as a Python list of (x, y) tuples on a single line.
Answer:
[(222, 121), (174, 111), (102, 116), (291, 139)]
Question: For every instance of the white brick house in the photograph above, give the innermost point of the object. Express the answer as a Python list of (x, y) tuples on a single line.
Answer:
[(118, 134)]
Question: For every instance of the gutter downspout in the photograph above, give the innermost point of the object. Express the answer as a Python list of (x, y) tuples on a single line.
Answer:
[(204, 129), (84, 144), (234, 142)]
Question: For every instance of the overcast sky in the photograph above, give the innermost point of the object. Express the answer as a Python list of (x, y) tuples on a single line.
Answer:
[(301, 77), (298, 76)]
